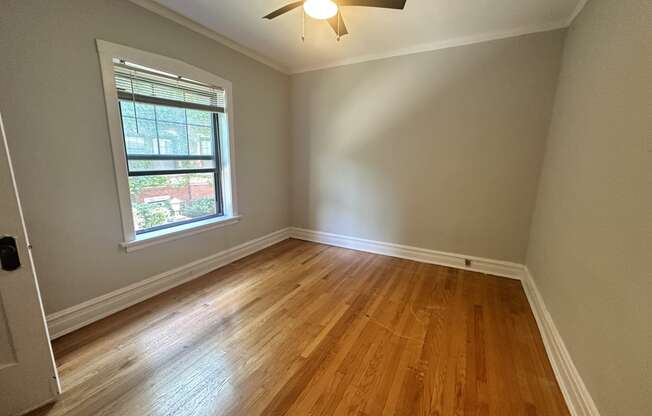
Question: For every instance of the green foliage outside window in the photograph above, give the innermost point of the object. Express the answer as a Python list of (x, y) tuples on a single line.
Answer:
[(150, 215), (138, 183), (199, 208)]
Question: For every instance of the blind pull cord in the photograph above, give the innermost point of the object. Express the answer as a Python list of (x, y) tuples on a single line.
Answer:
[(185, 111), (133, 98)]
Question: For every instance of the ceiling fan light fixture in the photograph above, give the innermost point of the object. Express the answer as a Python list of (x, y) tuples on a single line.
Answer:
[(320, 9)]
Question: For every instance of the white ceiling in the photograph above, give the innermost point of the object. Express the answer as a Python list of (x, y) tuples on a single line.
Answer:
[(374, 33)]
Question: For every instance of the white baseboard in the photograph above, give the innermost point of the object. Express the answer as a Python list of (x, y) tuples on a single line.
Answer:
[(478, 264), (577, 397), (575, 393), (70, 319)]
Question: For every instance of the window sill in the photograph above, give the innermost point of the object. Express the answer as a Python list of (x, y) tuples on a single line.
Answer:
[(173, 233)]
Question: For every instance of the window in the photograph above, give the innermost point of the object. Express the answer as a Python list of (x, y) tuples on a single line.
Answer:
[(172, 144), (170, 128)]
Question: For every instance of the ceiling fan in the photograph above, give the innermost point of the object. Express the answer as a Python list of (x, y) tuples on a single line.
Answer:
[(330, 10)]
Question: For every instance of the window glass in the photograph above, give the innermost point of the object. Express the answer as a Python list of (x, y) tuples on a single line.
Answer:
[(172, 138), (162, 130), (199, 118), (200, 139), (140, 136), (171, 114), (177, 145), (145, 111), (161, 200), (127, 108)]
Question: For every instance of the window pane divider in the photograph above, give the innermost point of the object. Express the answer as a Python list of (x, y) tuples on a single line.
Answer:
[(163, 121), (170, 172), (170, 157)]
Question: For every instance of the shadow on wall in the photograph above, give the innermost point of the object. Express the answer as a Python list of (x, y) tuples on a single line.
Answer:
[(438, 150)]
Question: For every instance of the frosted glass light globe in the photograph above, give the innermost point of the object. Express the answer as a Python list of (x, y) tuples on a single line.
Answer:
[(320, 9)]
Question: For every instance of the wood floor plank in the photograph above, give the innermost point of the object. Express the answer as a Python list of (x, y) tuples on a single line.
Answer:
[(307, 329)]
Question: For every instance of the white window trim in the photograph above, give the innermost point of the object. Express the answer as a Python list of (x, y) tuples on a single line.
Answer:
[(107, 51)]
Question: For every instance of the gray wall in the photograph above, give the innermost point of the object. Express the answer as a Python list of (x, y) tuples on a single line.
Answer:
[(591, 237), (53, 107), (440, 150)]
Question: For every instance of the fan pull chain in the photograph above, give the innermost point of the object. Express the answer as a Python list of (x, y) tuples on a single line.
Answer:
[(339, 15), (303, 25)]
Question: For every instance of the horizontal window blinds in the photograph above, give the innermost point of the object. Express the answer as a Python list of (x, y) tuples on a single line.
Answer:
[(136, 83)]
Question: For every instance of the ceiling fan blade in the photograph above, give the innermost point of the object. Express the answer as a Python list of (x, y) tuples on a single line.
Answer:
[(283, 10), (334, 24), (385, 4)]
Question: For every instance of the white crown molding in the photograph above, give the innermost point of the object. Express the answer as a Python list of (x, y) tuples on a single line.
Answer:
[(65, 321), (576, 12), (429, 47), (163, 11), (478, 264), (577, 397)]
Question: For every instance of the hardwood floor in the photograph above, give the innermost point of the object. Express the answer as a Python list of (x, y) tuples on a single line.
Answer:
[(307, 329)]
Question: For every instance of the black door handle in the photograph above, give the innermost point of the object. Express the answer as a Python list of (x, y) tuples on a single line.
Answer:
[(9, 259)]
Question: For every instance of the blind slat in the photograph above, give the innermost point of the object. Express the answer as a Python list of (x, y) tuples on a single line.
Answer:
[(124, 95), (133, 82)]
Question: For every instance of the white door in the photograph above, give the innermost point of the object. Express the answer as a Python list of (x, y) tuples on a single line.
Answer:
[(28, 376)]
